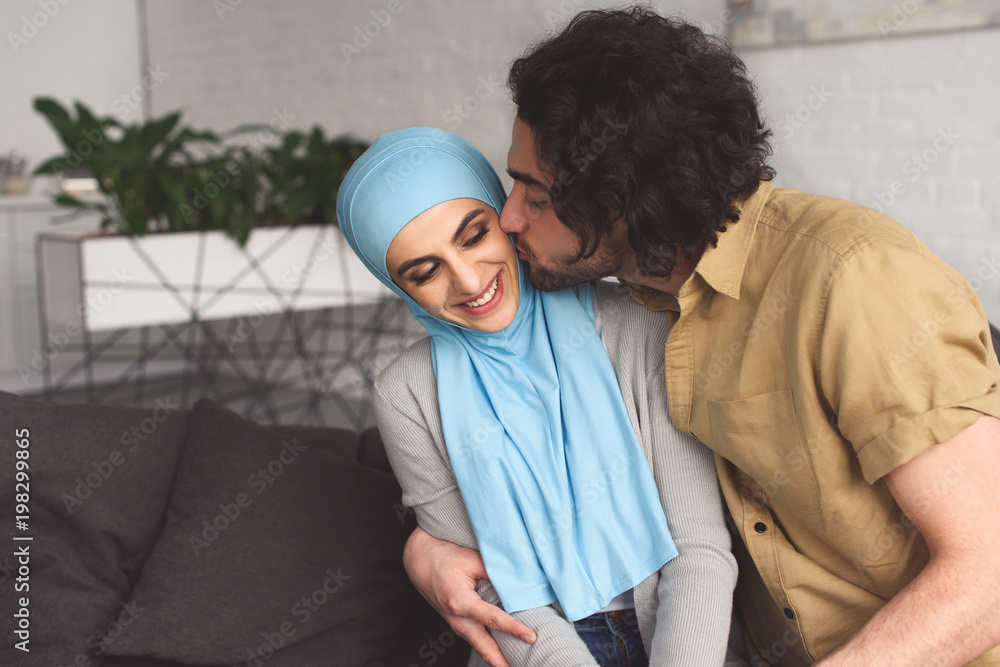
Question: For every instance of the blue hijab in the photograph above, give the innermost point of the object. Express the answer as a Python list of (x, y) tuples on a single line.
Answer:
[(559, 493)]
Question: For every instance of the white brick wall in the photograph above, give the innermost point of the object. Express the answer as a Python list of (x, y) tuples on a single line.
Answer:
[(69, 50), (441, 63), (916, 112)]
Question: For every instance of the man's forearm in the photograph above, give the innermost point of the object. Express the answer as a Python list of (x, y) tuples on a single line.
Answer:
[(946, 616), (447, 575)]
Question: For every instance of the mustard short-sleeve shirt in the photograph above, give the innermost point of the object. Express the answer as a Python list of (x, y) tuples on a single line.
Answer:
[(816, 348)]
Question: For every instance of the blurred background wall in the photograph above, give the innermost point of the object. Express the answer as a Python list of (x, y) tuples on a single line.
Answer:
[(908, 123), (70, 50)]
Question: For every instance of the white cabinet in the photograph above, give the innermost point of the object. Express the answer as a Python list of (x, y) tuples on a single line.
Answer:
[(110, 282)]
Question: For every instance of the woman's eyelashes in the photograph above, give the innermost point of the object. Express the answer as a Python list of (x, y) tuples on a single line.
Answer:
[(534, 204), (478, 235), (419, 277)]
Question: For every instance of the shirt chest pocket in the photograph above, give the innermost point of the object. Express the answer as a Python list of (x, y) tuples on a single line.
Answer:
[(760, 436)]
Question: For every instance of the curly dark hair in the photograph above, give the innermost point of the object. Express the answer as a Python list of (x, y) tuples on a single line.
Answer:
[(647, 117)]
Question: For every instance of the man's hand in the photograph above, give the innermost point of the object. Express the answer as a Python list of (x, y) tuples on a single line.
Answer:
[(947, 615), (446, 574)]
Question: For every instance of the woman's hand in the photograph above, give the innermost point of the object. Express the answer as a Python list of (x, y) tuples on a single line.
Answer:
[(446, 574)]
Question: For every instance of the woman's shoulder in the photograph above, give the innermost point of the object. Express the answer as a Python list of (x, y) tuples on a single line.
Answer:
[(625, 319), (613, 295), (411, 372)]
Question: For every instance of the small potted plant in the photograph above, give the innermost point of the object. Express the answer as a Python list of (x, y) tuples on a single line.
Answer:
[(14, 179)]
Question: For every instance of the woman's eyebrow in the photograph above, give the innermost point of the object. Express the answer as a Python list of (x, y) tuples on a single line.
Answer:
[(469, 217)]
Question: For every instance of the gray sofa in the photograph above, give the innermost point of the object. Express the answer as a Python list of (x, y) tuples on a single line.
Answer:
[(170, 537)]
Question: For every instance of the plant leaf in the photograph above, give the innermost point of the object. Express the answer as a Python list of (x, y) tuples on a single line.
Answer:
[(53, 165), (243, 129), (187, 134), (59, 119), (316, 141), (154, 132), (88, 125), (297, 202), (330, 210), (66, 200)]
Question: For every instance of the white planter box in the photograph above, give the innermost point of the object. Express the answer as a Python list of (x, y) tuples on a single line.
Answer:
[(110, 282)]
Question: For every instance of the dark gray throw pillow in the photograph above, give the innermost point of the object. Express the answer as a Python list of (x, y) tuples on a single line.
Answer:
[(269, 544), (99, 479)]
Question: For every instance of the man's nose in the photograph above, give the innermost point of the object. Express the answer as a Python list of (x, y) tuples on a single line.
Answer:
[(512, 220)]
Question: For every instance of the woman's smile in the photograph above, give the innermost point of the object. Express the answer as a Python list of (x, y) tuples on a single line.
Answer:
[(458, 265), (488, 299)]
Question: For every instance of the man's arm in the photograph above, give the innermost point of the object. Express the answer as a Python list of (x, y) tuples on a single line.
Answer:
[(445, 574), (950, 613)]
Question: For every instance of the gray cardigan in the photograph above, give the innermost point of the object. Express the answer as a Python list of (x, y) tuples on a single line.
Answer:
[(684, 609)]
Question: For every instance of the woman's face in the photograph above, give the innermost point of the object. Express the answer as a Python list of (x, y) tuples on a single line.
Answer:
[(458, 265)]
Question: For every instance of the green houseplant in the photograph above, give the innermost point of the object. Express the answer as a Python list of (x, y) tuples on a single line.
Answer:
[(161, 176), (306, 172), (143, 170)]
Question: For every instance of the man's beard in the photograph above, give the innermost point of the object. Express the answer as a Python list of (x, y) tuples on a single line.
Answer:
[(601, 264)]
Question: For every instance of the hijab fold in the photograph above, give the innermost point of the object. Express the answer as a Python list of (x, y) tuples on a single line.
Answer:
[(558, 491)]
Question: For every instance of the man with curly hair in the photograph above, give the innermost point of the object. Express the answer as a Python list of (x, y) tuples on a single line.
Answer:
[(842, 374)]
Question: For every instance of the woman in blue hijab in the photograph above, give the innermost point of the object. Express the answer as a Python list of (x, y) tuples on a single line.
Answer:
[(509, 432)]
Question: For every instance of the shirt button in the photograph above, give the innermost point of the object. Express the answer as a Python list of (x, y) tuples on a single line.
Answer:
[(789, 614), (760, 527)]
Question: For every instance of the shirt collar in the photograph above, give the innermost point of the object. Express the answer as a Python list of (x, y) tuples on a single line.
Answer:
[(652, 299), (722, 266)]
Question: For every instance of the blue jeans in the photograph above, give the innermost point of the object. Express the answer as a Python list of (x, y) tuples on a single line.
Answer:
[(613, 638)]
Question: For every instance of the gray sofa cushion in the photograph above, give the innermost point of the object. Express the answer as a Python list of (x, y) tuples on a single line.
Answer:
[(269, 543), (100, 478)]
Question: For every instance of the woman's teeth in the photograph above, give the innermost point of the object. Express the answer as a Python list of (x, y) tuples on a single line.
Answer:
[(486, 298)]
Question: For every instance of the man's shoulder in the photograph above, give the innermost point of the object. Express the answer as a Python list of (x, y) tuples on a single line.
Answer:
[(832, 226)]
